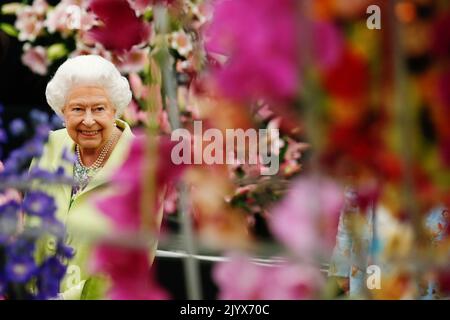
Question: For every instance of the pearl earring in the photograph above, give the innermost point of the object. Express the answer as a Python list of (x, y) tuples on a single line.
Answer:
[(64, 124)]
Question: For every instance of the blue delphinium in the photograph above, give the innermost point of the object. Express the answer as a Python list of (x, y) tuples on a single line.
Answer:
[(39, 117), (20, 266), (50, 274), (9, 219), (20, 276), (38, 203), (17, 127)]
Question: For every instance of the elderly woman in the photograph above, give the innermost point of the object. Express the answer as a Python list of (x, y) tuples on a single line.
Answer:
[(89, 94)]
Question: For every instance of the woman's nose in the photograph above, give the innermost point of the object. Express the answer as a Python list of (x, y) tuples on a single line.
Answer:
[(88, 119)]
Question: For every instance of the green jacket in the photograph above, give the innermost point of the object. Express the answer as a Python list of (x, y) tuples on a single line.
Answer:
[(83, 222)]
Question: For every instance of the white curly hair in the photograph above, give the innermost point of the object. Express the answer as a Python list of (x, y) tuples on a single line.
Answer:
[(89, 70)]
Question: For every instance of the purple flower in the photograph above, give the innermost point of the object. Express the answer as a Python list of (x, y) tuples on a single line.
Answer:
[(64, 250), (40, 174), (17, 127), (20, 270), (56, 122), (38, 203), (38, 117), (2, 284), (52, 226), (9, 218), (42, 131), (50, 274), (20, 266), (3, 137), (69, 156)]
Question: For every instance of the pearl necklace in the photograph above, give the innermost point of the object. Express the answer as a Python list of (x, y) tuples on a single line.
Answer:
[(101, 157), (83, 174)]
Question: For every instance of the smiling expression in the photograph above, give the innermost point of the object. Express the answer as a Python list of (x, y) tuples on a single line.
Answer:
[(89, 116)]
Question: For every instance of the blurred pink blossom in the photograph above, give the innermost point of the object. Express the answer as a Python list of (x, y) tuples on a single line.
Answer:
[(244, 279), (121, 28), (69, 15), (140, 91), (170, 201), (133, 114), (123, 208), (35, 58), (133, 60), (30, 20), (263, 54), (306, 219), (181, 42), (97, 49), (328, 44), (141, 5), (129, 270)]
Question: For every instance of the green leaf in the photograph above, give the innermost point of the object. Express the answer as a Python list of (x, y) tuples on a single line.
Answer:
[(56, 51), (11, 8), (9, 29)]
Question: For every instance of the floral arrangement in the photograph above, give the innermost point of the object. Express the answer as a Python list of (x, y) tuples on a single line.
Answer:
[(354, 107), (25, 222)]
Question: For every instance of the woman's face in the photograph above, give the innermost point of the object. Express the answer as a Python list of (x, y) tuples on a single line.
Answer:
[(89, 116)]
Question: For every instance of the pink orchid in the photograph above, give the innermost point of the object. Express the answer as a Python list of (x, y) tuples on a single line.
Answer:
[(141, 5), (121, 28), (69, 15), (30, 20), (129, 269), (130, 272), (244, 279), (97, 49), (170, 201), (263, 57), (126, 213), (133, 114), (35, 58), (181, 42), (133, 60), (140, 91), (306, 219)]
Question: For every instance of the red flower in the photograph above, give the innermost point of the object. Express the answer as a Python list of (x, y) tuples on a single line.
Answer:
[(349, 78), (441, 36), (121, 28)]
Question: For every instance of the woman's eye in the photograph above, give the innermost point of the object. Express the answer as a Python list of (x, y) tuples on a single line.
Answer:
[(76, 109), (99, 109)]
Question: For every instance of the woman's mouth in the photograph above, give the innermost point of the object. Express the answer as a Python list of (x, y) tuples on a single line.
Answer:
[(89, 133)]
